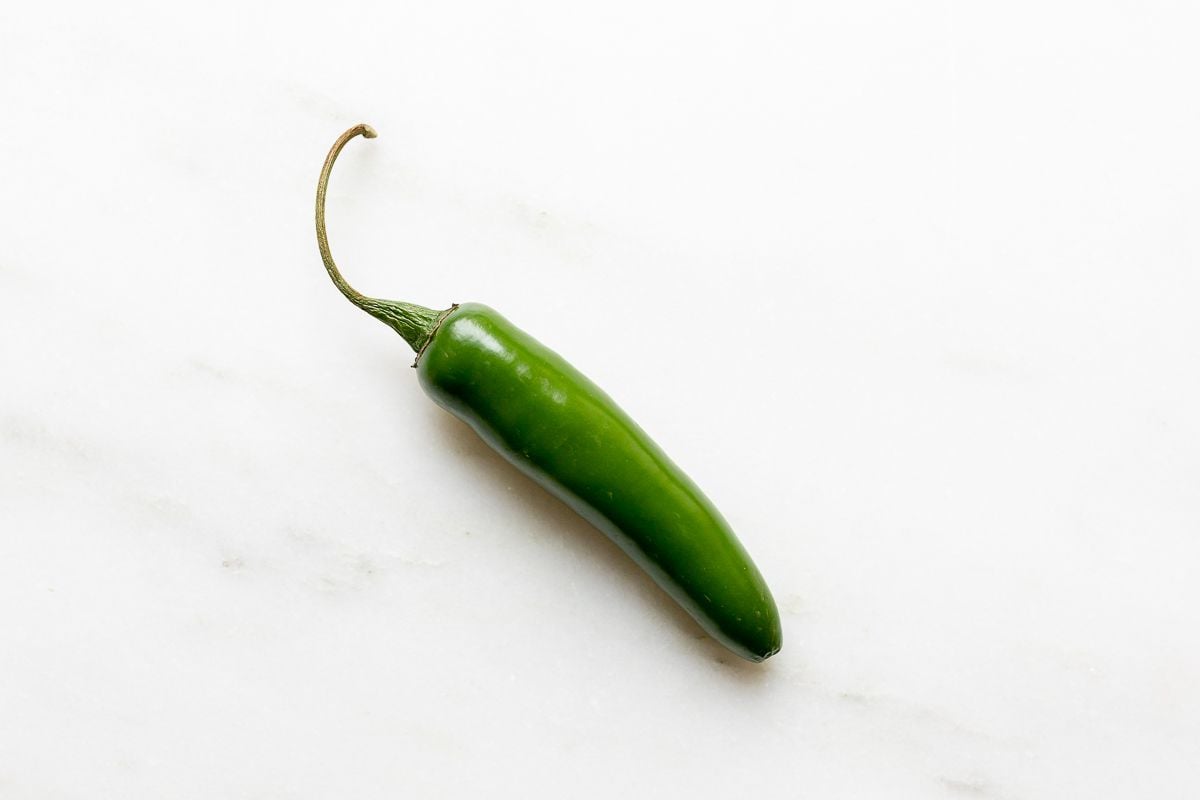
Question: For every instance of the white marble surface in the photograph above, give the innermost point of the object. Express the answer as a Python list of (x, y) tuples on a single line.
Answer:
[(911, 290)]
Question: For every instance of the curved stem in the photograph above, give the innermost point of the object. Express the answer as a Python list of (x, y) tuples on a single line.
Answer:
[(415, 323), (353, 295)]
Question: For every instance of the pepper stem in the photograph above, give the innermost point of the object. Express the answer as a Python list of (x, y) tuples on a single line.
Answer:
[(414, 323)]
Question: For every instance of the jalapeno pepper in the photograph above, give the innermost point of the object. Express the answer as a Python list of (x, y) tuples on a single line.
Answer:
[(560, 429)]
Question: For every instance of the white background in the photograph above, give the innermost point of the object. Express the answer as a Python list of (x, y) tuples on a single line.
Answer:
[(910, 289)]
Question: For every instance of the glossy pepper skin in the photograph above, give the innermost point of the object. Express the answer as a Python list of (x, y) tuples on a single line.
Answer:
[(560, 429)]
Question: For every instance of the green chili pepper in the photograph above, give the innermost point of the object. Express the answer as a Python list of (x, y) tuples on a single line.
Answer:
[(560, 429)]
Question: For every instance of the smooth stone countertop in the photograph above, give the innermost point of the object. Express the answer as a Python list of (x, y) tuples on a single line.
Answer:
[(911, 292)]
